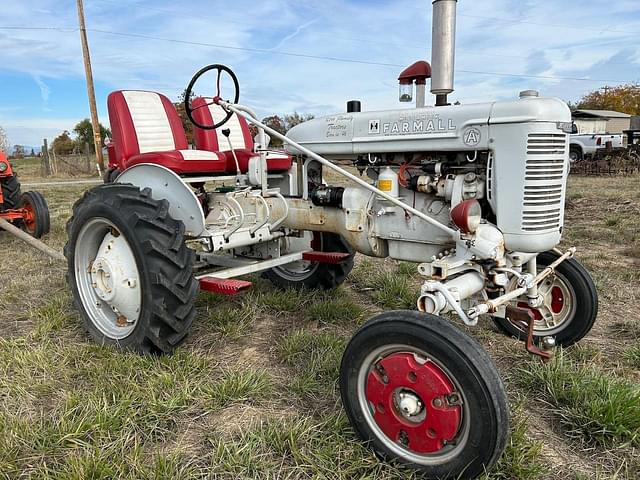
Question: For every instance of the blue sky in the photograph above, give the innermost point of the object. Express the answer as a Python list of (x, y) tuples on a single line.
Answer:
[(42, 89)]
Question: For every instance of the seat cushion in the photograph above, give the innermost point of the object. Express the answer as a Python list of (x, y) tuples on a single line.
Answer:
[(276, 161), (183, 162)]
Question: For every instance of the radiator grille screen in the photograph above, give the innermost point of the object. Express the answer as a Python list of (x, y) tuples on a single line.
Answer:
[(544, 179)]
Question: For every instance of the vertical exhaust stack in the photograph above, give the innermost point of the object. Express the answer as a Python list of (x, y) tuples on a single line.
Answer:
[(443, 45)]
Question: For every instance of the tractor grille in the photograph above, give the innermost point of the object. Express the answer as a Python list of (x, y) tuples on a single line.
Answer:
[(543, 200)]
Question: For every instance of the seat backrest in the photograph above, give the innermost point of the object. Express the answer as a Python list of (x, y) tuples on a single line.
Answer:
[(143, 122), (213, 140)]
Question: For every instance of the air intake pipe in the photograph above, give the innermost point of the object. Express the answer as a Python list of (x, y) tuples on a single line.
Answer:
[(443, 45)]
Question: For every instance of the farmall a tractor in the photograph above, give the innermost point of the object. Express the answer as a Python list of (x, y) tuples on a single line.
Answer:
[(473, 194)]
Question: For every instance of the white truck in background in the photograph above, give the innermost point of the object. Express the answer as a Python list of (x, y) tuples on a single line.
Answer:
[(582, 145)]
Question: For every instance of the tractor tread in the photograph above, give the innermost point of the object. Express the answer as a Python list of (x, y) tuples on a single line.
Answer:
[(10, 192), (164, 260)]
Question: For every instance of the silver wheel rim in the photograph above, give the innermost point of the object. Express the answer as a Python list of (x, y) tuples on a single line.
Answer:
[(445, 454), (302, 269), (554, 321), (107, 278)]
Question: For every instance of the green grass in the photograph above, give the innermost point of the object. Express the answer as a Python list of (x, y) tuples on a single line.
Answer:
[(392, 289), (521, 458), (238, 387), (233, 320), (632, 356), (300, 447), (591, 404), (336, 311), (314, 358), (242, 399)]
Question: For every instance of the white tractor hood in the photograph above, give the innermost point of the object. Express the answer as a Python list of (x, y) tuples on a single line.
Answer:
[(447, 128)]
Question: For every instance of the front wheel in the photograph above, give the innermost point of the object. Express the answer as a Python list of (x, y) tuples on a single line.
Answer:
[(130, 271), (422, 392), (36, 221), (569, 304)]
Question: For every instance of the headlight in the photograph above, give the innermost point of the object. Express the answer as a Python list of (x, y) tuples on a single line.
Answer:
[(467, 215), (3, 167)]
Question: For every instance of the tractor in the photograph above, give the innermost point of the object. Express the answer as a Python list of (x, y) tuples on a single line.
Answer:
[(27, 210), (472, 194)]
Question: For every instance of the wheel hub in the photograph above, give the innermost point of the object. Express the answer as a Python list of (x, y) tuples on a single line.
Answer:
[(554, 305), (114, 279), (411, 402)]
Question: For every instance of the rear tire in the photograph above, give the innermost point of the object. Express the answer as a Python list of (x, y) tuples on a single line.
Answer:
[(422, 392), (576, 300), (314, 275), (10, 192), (36, 223), (130, 271), (575, 154)]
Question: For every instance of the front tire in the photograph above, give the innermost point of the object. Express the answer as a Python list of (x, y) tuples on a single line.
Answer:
[(303, 274), (36, 221), (130, 271), (422, 392), (570, 304)]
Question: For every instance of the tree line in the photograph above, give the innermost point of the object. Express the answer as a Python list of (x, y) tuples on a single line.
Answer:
[(79, 139)]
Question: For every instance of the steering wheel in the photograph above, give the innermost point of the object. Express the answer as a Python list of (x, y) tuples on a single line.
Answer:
[(189, 91)]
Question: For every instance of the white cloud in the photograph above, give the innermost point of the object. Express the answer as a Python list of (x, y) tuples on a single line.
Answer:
[(542, 37), (45, 91)]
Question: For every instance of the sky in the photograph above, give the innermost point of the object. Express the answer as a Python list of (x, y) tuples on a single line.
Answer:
[(562, 48)]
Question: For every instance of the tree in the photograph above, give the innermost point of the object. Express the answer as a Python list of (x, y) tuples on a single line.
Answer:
[(295, 118), (283, 125), (623, 98), (4, 141), (84, 134), (64, 144), (182, 112), (18, 151)]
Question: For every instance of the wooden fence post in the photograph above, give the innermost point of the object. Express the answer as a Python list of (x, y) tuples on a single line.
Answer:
[(45, 159)]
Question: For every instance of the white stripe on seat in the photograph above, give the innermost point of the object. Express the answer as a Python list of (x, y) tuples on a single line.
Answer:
[(200, 155), (150, 121), (237, 137)]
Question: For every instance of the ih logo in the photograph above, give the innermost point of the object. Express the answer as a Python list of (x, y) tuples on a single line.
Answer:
[(374, 126), (471, 136)]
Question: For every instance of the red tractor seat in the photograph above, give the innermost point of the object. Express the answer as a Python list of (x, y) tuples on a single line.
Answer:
[(147, 129), (240, 136)]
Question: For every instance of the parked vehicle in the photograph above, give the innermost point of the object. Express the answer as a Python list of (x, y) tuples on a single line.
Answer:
[(583, 145), (27, 210)]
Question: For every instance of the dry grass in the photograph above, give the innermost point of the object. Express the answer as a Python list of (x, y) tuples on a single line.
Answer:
[(253, 393)]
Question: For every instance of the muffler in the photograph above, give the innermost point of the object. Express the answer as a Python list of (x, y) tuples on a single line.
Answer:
[(443, 45)]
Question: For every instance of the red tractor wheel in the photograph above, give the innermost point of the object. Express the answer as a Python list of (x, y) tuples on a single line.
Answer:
[(36, 219), (422, 392)]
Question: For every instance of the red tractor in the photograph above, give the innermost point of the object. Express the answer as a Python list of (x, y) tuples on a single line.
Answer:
[(27, 210)]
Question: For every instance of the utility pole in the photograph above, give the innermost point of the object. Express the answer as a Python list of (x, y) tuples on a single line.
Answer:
[(90, 90)]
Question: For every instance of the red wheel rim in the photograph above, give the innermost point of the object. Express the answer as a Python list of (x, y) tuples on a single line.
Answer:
[(557, 299), (29, 218), (415, 404)]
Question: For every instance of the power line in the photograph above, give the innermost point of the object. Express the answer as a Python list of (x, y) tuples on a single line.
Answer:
[(315, 57), (338, 59)]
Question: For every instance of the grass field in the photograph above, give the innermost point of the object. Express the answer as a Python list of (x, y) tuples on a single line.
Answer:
[(252, 392)]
